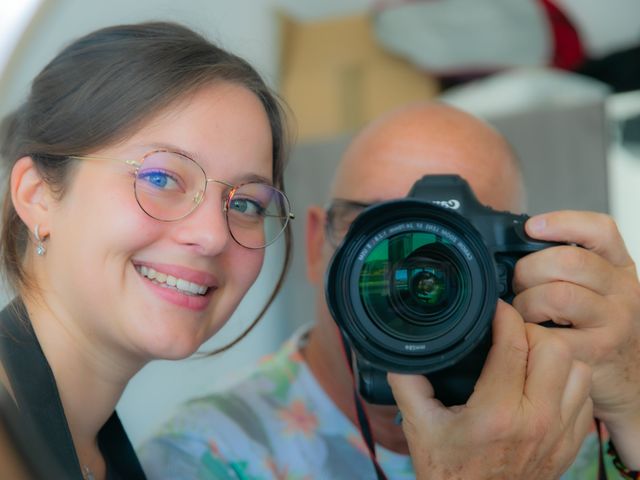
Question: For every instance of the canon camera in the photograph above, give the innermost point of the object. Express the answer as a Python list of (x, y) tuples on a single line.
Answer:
[(414, 285)]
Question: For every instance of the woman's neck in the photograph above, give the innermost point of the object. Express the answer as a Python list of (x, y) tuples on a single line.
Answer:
[(90, 379)]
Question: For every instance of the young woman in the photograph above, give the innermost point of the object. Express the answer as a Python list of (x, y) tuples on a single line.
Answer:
[(145, 179)]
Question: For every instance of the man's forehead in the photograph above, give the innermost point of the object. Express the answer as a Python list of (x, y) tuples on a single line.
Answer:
[(393, 177), (387, 158), (376, 181)]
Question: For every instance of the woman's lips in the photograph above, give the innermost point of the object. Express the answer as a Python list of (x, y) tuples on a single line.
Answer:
[(169, 281), (180, 286)]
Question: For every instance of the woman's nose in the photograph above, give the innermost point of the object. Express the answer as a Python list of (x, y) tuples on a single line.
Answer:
[(205, 228)]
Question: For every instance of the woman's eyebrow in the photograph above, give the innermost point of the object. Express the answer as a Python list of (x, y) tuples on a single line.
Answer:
[(255, 178), (249, 177), (173, 148)]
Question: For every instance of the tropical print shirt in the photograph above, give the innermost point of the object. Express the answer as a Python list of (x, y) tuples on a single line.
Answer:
[(279, 424)]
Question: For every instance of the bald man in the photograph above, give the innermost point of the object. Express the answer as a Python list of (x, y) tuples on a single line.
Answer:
[(533, 406)]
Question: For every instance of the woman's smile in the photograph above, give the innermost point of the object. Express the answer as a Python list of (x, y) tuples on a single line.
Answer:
[(169, 281), (178, 285)]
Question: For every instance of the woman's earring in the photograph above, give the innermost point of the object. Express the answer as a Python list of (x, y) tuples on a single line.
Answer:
[(40, 248)]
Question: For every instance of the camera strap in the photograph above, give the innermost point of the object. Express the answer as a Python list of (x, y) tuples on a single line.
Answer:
[(363, 419), (602, 471)]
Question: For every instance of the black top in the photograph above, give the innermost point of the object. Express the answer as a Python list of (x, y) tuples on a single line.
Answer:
[(40, 408)]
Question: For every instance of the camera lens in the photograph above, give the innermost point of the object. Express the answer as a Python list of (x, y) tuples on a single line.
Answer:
[(413, 292), (411, 284)]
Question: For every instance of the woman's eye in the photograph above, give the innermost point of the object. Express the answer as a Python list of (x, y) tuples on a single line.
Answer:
[(159, 179), (246, 206)]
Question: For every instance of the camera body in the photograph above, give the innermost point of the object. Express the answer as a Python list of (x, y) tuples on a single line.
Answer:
[(414, 284)]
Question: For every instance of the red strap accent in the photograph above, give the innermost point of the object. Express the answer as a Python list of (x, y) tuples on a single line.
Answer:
[(568, 52)]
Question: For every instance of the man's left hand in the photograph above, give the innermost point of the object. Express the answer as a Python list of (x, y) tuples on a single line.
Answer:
[(594, 289)]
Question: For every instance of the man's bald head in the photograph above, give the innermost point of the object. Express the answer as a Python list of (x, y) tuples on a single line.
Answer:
[(388, 156)]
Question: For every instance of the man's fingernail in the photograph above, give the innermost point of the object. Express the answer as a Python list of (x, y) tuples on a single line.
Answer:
[(537, 224)]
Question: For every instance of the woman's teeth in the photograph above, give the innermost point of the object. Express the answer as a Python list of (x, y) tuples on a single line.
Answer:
[(171, 281)]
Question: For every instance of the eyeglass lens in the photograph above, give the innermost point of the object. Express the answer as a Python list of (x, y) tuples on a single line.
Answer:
[(169, 186), (340, 216)]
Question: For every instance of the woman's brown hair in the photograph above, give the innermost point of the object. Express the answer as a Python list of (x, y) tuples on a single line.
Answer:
[(97, 91)]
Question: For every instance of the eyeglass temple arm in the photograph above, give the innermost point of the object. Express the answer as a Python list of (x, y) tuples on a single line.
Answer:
[(131, 163)]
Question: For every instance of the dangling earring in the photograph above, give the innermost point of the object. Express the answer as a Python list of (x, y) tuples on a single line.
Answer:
[(40, 248)]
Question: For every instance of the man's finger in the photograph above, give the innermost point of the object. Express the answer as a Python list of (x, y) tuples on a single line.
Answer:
[(564, 303), (504, 370), (594, 231), (576, 392), (550, 361), (414, 394), (568, 264)]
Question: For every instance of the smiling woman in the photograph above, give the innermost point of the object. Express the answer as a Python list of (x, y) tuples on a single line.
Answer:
[(116, 263)]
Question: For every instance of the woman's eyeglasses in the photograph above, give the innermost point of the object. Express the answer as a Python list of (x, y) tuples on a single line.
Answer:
[(168, 186)]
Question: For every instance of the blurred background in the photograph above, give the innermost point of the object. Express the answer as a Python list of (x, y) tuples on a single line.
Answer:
[(559, 78)]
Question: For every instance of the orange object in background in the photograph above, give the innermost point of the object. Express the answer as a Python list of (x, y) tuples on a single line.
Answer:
[(335, 76)]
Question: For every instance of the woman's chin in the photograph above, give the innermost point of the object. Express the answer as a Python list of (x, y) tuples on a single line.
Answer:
[(174, 348)]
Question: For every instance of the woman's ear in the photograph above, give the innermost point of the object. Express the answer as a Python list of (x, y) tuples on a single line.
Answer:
[(30, 195), (315, 238)]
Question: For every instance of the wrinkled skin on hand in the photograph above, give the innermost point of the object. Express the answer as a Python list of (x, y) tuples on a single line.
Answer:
[(528, 415), (595, 290)]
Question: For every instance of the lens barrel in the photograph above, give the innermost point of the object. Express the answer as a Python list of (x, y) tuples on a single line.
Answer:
[(414, 295)]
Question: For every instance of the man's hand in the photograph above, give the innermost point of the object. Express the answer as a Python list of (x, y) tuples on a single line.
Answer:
[(595, 290), (527, 417)]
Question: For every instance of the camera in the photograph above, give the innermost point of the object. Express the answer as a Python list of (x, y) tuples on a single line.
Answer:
[(414, 284)]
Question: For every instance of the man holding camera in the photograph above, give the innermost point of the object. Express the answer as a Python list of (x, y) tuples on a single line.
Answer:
[(532, 409)]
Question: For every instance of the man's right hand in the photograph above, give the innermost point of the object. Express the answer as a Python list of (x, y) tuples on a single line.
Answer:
[(527, 418)]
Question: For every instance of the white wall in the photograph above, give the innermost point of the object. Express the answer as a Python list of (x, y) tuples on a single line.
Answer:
[(227, 23), (14, 19), (624, 173)]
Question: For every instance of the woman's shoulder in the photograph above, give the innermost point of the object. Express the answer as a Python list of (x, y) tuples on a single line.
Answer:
[(5, 384), (24, 453), (12, 311), (16, 339), (15, 326), (11, 331)]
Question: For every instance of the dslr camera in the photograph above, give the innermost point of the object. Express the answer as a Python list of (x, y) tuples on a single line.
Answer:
[(414, 285)]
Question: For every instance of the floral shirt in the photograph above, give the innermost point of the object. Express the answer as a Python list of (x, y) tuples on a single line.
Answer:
[(279, 424)]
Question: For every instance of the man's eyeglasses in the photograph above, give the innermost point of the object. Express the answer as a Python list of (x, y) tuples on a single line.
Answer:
[(340, 214), (168, 186)]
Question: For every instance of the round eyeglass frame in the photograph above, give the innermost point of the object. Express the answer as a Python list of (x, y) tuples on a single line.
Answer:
[(199, 197)]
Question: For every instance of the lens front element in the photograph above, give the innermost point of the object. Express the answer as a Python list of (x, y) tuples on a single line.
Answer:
[(426, 282), (413, 285)]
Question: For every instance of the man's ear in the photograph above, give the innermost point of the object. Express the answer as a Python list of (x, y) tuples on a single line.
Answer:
[(315, 238), (30, 195)]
